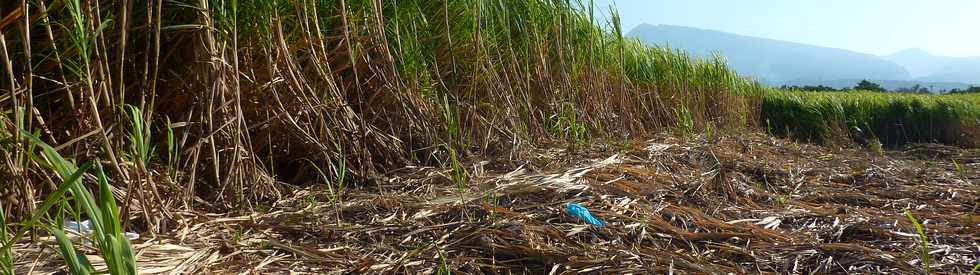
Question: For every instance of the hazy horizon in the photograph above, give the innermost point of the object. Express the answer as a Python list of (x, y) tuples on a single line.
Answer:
[(879, 27)]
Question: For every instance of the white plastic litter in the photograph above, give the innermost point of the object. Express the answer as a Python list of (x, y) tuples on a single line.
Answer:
[(84, 228)]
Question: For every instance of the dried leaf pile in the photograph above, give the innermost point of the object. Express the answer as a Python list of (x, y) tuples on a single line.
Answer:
[(732, 204)]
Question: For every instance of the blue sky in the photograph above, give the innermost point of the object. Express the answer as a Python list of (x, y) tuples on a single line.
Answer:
[(942, 27)]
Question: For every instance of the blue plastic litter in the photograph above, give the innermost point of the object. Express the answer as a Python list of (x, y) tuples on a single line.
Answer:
[(583, 213)]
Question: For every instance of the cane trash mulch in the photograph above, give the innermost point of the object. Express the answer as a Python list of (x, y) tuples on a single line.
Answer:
[(693, 205)]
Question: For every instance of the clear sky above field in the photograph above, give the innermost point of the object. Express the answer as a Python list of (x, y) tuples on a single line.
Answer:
[(942, 27)]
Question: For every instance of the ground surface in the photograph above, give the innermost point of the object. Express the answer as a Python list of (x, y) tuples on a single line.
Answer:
[(739, 204)]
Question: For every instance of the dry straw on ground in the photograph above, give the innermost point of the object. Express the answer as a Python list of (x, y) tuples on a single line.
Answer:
[(732, 205)]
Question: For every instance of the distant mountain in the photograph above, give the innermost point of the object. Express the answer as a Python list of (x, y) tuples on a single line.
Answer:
[(928, 67), (919, 62), (771, 60)]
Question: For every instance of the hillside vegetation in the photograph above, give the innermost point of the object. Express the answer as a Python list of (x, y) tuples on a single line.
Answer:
[(227, 105)]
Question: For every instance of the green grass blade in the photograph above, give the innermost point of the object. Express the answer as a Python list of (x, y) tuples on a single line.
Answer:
[(7, 252), (54, 198), (66, 168), (103, 214), (76, 262), (323, 176), (117, 250), (923, 241), (62, 166)]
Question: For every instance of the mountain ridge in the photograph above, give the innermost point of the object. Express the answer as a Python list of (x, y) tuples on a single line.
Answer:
[(780, 62), (926, 66)]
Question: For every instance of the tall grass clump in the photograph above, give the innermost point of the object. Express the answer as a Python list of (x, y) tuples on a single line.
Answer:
[(103, 214), (892, 118), (257, 87)]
